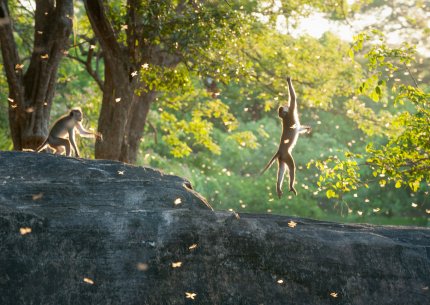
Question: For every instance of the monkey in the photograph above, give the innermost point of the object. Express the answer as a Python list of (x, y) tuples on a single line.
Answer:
[(291, 129), (62, 133)]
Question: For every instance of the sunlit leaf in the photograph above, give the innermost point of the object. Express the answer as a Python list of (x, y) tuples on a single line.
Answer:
[(292, 224), (88, 281), (190, 295), (176, 264), (37, 196), (142, 267), (24, 230), (331, 194)]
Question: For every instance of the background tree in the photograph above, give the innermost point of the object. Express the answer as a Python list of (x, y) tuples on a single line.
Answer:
[(32, 80), (403, 158), (149, 46)]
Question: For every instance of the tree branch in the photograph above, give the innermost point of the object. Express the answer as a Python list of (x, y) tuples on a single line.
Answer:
[(91, 71), (89, 68), (103, 28), (154, 129), (10, 55)]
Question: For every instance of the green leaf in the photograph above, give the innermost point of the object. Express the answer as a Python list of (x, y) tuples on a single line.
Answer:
[(374, 96), (414, 185), (331, 194), (378, 90)]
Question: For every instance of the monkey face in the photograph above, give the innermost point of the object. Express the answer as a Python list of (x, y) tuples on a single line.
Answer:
[(77, 114), (282, 111)]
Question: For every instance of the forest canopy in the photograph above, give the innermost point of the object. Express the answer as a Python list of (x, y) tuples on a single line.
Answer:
[(193, 88)]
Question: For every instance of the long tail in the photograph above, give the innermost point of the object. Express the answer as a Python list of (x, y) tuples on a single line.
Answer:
[(42, 146), (270, 163)]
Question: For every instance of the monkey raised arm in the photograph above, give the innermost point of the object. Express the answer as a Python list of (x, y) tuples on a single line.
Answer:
[(87, 134), (293, 102)]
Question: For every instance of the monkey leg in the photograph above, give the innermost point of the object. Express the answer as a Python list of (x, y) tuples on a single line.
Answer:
[(282, 167), (59, 150), (292, 171), (57, 143)]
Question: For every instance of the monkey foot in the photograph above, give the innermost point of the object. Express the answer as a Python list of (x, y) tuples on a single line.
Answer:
[(293, 190)]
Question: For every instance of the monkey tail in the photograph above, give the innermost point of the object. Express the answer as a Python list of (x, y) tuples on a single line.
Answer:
[(270, 163), (42, 146)]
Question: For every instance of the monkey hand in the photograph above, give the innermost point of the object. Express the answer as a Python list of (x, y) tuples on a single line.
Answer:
[(99, 136)]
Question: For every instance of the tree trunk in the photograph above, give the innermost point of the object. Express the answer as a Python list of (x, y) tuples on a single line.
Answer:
[(137, 122), (122, 116), (123, 113), (31, 94)]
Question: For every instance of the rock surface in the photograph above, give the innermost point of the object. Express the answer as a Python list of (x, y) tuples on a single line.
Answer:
[(104, 232)]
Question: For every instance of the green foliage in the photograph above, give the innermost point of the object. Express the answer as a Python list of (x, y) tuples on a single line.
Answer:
[(164, 79), (403, 160), (304, 59), (188, 120)]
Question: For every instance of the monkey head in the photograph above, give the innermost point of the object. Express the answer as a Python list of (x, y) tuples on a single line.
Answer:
[(76, 113), (283, 111)]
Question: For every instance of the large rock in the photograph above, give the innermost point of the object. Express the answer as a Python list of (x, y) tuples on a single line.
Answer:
[(104, 232)]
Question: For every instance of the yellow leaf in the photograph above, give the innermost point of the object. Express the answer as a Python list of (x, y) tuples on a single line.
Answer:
[(142, 266), (88, 281), (292, 224), (190, 295), (398, 184), (176, 265), (330, 194), (37, 196), (414, 185), (24, 230)]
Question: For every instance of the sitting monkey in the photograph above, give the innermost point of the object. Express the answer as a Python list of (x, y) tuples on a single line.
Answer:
[(62, 133)]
